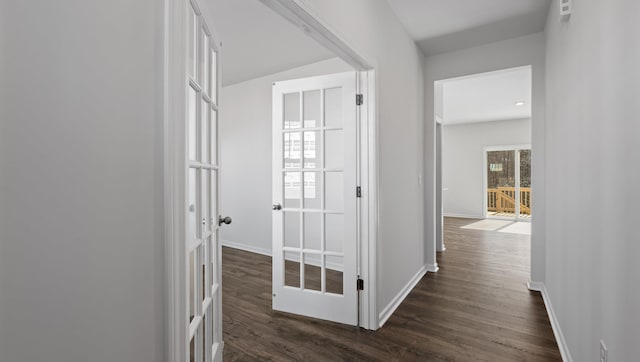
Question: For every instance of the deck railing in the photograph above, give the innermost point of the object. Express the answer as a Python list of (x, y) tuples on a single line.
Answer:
[(502, 199)]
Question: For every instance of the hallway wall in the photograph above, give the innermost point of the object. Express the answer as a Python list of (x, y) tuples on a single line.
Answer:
[(593, 140), (373, 29), (81, 194)]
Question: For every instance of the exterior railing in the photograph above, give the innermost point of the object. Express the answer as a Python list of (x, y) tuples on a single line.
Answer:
[(502, 199)]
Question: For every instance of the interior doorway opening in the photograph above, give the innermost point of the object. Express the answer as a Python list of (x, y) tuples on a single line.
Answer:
[(285, 176), (480, 176)]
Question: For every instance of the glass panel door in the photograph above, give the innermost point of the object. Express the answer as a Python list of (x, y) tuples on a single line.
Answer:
[(508, 180), (501, 183), (203, 310), (525, 183), (314, 239)]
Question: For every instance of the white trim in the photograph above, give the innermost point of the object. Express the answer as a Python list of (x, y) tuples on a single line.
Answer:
[(246, 247), (433, 268), (555, 324), (303, 17), (463, 216), (400, 297), (217, 351), (174, 180)]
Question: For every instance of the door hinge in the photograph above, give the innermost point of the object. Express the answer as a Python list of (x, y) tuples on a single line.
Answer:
[(358, 191), (359, 99), (360, 284)]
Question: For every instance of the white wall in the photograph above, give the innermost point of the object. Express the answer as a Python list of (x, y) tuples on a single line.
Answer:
[(463, 161), (246, 155), (527, 50), (81, 211), (373, 29), (593, 138)]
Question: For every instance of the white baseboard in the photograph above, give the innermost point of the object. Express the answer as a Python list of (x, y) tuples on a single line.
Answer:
[(245, 247), (463, 216), (397, 300), (432, 268), (555, 324), (266, 252)]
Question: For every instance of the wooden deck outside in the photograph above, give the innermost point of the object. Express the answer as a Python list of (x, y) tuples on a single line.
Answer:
[(501, 201)]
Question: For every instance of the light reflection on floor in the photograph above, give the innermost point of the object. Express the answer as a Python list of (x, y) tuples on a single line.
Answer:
[(503, 226)]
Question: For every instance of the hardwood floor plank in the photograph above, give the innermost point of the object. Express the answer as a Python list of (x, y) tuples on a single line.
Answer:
[(476, 308)]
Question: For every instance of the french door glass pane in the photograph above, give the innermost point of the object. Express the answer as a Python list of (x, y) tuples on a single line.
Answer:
[(193, 123), (291, 269), (292, 189), (334, 277), (205, 328), (214, 136), (204, 131), (206, 200), (192, 284), (213, 255), (334, 149), (312, 227), (312, 191), (213, 197), (501, 182), (192, 350), (334, 191), (334, 232), (212, 326), (311, 148), (202, 272), (333, 107), (204, 51), (292, 149), (291, 111), (192, 225), (311, 109), (312, 272), (525, 183), (292, 229)]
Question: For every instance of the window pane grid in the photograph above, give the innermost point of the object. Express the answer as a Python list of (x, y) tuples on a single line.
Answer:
[(304, 132)]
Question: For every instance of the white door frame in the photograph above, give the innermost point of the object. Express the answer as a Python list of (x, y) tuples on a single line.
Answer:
[(487, 149), (303, 16)]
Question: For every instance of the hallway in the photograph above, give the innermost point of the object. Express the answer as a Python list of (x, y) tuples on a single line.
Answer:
[(476, 308)]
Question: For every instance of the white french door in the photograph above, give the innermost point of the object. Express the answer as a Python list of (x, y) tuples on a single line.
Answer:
[(203, 314), (315, 197)]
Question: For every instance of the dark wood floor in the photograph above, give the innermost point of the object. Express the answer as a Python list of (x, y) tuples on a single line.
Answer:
[(476, 308)]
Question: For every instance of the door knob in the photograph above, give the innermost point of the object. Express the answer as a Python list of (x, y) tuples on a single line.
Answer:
[(276, 207), (224, 220)]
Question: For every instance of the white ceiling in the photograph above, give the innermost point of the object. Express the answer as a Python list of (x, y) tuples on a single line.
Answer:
[(257, 42), (487, 97), (446, 25)]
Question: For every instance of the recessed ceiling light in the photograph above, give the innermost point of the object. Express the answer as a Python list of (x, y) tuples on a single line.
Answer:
[(519, 103)]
